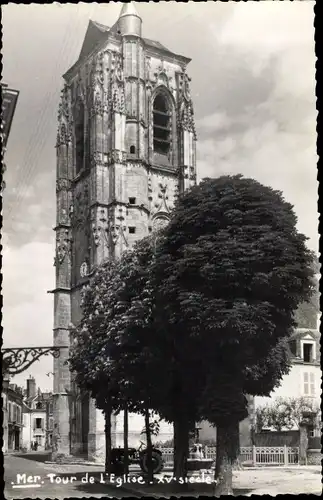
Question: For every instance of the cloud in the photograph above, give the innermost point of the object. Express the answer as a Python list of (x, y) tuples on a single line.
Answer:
[(265, 127), (28, 274)]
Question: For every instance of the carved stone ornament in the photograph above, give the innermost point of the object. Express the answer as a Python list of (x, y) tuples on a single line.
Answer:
[(95, 158), (80, 205), (98, 71), (65, 119), (116, 156), (64, 136), (80, 90), (161, 205), (62, 184), (100, 225), (159, 223), (63, 246), (117, 225), (118, 100), (187, 118), (161, 77), (119, 71), (98, 105), (84, 270), (186, 87), (118, 231)]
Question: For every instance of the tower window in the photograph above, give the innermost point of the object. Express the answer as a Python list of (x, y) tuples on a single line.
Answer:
[(161, 124), (132, 201), (132, 230), (132, 150), (79, 137)]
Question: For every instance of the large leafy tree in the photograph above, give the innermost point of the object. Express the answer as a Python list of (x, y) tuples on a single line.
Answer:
[(231, 271), (115, 354)]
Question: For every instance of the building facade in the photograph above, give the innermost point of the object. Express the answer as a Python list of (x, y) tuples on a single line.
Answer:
[(12, 411), (304, 378), (37, 418), (125, 150)]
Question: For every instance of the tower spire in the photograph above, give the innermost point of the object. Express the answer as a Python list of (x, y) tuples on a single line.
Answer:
[(129, 22), (128, 9)]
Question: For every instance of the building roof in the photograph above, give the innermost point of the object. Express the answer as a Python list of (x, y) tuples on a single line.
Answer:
[(97, 33), (128, 9), (302, 332)]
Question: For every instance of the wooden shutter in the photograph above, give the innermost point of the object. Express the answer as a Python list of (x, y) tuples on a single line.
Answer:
[(312, 384)]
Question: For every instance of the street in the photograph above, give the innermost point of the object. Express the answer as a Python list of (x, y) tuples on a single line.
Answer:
[(29, 477), (36, 479)]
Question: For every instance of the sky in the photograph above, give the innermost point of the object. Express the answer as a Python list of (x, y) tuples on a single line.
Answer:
[(253, 86)]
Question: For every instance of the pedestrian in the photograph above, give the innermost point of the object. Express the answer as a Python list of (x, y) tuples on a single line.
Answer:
[(36, 445)]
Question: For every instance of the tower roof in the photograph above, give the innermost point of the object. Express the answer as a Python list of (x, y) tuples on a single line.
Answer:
[(128, 9), (98, 33)]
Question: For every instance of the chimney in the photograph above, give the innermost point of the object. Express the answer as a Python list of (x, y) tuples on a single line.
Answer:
[(31, 387)]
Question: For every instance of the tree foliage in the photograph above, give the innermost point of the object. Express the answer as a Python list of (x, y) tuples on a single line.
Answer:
[(231, 271), (190, 323), (284, 413), (114, 354)]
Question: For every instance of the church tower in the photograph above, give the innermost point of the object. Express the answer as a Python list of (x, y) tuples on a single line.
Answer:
[(125, 149)]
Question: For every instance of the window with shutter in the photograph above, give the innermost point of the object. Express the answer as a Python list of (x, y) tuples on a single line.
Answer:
[(312, 385)]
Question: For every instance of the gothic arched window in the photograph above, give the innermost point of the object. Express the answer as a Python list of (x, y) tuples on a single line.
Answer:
[(79, 137), (162, 125)]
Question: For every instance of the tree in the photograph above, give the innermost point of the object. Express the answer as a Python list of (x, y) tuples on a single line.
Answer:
[(115, 355), (231, 271), (285, 413)]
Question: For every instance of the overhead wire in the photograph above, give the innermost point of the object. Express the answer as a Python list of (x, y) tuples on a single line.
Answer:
[(38, 139)]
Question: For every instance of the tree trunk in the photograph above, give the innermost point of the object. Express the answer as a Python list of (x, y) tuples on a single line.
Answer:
[(181, 447), (108, 444), (125, 441), (236, 447), (149, 448), (225, 456)]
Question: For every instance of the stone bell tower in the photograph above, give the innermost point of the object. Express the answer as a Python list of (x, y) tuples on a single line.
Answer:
[(125, 149)]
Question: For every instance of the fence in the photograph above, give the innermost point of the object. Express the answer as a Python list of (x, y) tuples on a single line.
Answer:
[(253, 455)]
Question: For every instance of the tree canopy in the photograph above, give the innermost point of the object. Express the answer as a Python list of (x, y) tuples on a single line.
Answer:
[(191, 322), (231, 271)]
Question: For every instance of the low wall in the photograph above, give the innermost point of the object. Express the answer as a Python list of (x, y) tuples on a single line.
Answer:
[(314, 456), (275, 438)]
